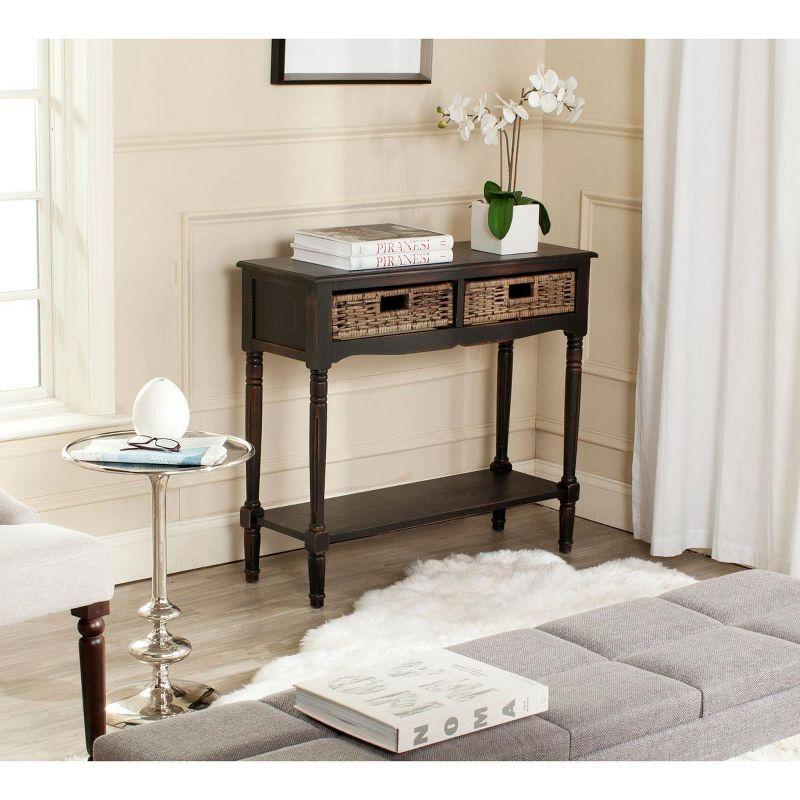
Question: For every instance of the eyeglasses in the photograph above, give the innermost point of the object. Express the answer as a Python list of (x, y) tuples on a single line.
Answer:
[(152, 443)]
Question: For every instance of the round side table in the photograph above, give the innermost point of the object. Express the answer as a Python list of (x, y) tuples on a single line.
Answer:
[(135, 704)]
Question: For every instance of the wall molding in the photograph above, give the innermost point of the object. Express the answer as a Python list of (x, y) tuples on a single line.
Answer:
[(122, 489), (190, 221), (590, 200), (277, 136), (588, 435), (336, 133), (602, 499), (623, 129)]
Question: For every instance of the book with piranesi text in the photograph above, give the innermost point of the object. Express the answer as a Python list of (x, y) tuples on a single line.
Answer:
[(373, 262), (371, 240), (412, 702)]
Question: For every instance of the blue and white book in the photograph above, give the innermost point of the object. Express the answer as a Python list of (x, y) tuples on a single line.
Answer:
[(196, 451)]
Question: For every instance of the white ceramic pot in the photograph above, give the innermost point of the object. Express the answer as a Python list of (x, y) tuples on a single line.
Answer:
[(522, 236), (160, 410)]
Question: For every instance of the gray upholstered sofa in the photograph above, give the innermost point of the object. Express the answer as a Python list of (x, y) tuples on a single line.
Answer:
[(708, 671)]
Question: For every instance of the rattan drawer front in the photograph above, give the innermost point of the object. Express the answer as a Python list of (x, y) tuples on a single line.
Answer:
[(380, 312), (520, 297)]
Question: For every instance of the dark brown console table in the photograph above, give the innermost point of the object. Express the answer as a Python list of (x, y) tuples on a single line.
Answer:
[(320, 315)]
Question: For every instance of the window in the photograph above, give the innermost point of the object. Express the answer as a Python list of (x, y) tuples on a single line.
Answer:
[(25, 290), (56, 236)]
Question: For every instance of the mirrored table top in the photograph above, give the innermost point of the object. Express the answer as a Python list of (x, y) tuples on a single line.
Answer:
[(238, 451)]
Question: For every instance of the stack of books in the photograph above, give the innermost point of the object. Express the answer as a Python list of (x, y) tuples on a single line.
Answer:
[(412, 702), (372, 246)]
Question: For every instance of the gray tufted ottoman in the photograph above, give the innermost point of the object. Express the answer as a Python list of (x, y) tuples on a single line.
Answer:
[(704, 672)]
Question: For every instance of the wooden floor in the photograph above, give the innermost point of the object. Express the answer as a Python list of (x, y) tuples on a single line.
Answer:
[(236, 627)]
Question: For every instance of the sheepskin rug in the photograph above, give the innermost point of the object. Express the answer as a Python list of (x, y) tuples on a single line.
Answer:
[(443, 602)]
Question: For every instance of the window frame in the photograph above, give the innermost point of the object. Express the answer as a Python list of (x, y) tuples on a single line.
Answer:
[(79, 245), (43, 294)]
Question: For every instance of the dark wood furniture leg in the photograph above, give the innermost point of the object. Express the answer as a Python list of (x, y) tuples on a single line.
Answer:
[(251, 512), (317, 538), (92, 654), (505, 364), (568, 487)]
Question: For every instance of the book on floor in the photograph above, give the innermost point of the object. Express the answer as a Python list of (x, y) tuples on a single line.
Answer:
[(388, 238), (412, 702), (372, 262)]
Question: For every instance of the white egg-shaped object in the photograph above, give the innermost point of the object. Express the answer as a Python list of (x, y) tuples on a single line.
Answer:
[(160, 410)]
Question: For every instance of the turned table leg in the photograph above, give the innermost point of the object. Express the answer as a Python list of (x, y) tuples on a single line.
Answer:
[(92, 656), (317, 539), (568, 487), (251, 512), (505, 364)]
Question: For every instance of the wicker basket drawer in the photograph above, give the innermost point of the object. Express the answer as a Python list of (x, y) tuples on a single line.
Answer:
[(380, 312), (520, 297)]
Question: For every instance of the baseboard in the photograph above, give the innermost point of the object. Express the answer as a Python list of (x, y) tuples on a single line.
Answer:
[(602, 499), (193, 543)]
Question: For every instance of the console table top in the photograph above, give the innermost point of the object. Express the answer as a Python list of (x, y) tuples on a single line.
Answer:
[(463, 256)]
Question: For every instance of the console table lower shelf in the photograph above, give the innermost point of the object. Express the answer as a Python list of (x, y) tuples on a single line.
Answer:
[(355, 516)]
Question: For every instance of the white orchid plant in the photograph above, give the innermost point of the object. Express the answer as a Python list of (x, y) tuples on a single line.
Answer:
[(501, 125)]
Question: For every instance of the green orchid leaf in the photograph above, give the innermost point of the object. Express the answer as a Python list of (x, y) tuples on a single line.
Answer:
[(491, 191), (544, 219), (490, 188), (501, 213)]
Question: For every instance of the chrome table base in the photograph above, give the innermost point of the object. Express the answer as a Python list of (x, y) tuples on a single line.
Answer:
[(133, 705)]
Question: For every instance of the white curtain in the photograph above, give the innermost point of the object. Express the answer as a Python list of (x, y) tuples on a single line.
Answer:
[(717, 445)]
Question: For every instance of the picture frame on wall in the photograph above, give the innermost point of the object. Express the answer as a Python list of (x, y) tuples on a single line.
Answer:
[(310, 61)]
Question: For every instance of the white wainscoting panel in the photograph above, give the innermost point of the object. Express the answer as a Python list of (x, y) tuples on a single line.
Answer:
[(614, 299)]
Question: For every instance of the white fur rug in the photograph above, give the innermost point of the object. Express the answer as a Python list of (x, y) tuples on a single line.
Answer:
[(465, 597)]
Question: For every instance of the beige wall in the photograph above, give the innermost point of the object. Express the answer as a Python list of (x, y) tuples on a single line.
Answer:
[(213, 165), (593, 187)]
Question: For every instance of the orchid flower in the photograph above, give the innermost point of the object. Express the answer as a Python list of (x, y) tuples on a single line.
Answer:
[(457, 108), (465, 128), (577, 111), (511, 109), (542, 81), (545, 89), (547, 92), (480, 109), (491, 127), (571, 85)]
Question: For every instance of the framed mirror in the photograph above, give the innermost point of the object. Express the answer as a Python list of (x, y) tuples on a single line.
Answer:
[(351, 61)]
